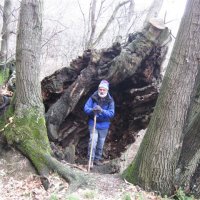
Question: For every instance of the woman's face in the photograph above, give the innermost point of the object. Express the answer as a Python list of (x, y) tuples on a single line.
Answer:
[(102, 92)]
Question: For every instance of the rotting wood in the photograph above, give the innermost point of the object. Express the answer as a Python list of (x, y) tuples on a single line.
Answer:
[(116, 64), (133, 70)]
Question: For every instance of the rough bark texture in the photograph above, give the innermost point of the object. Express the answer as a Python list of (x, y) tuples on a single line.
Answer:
[(28, 90), (5, 35), (25, 126), (6, 30), (187, 173), (157, 159)]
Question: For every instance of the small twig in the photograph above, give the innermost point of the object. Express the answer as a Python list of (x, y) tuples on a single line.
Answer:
[(76, 166), (52, 36), (127, 182), (172, 35), (10, 122)]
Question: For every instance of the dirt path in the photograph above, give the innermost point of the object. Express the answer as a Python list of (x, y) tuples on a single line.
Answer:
[(18, 181), (112, 187)]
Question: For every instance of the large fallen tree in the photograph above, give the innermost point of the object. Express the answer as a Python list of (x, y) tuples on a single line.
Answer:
[(134, 72)]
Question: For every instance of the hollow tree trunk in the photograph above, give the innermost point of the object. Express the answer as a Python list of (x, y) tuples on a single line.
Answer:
[(157, 159), (26, 127), (114, 64)]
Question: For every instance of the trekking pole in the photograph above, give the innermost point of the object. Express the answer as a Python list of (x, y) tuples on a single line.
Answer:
[(91, 147)]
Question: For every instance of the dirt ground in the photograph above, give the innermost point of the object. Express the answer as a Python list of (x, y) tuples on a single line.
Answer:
[(19, 181)]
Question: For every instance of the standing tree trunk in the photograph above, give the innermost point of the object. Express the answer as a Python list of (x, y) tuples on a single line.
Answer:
[(155, 165), (187, 172), (26, 126), (5, 32), (92, 21)]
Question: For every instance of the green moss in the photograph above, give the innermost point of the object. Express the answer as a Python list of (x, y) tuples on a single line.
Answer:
[(4, 119), (9, 113), (2, 122), (181, 195), (29, 135), (127, 196), (4, 74), (54, 197), (90, 194), (72, 197), (128, 174)]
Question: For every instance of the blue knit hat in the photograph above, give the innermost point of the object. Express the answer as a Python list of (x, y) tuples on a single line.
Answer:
[(104, 84)]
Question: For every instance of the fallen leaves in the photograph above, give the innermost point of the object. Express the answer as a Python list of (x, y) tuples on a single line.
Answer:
[(19, 182)]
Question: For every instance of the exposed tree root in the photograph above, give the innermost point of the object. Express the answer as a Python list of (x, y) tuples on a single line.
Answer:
[(28, 134), (75, 178)]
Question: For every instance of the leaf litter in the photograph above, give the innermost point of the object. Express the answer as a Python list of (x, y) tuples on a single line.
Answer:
[(19, 181)]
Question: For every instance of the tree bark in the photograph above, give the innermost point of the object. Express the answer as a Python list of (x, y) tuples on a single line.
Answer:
[(25, 127), (28, 90), (92, 21), (6, 30), (187, 172), (155, 165)]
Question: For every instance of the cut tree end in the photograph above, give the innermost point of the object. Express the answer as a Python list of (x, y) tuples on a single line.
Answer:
[(158, 23)]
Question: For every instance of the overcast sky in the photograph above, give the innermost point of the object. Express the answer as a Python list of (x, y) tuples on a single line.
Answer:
[(68, 10), (65, 15), (174, 10), (69, 14)]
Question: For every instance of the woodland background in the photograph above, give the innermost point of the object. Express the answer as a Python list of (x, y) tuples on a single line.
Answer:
[(68, 30), (65, 27)]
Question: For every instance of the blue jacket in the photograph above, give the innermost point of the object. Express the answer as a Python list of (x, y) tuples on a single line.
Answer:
[(108, 110)]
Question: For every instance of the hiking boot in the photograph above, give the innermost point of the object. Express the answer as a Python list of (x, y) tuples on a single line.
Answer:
[(98, 163)]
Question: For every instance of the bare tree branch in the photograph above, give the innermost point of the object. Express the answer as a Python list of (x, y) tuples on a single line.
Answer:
[(84, 20), (58, 22), (92, 21), (52, 36), (109, 21), (131, 9), (100, 10)]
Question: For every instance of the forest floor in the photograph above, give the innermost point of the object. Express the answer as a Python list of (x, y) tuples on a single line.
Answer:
[(19, 181)]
